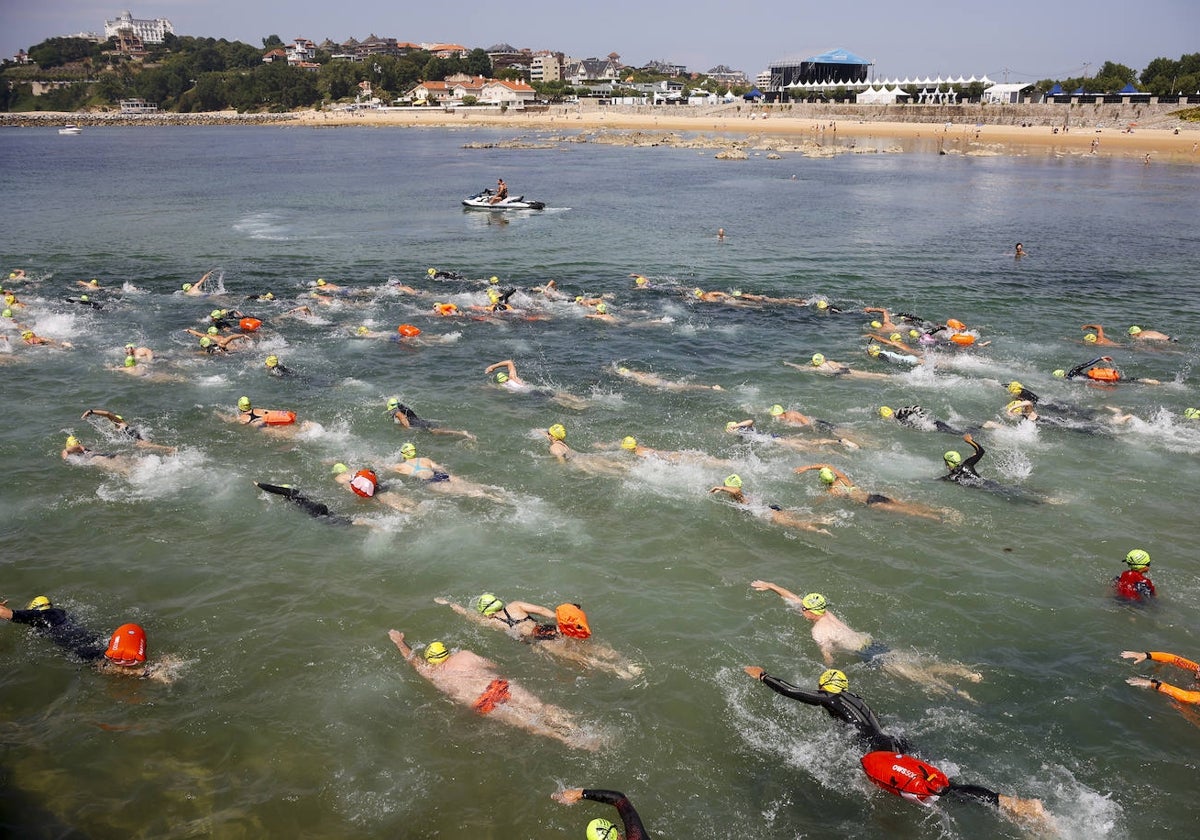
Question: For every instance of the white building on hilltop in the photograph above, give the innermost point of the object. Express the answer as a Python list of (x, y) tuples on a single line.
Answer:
[(149, 31)]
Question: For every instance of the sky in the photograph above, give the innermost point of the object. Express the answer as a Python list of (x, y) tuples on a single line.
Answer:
[(1017, 41)]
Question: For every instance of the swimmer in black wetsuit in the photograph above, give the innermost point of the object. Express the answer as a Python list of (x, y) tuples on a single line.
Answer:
[(916, 417), (57, 625), (83, 300), (124, 428), (834, 696), (963, 472), (275, 368), (1105, 375), (631, 822), (316, 510), (404, 416)]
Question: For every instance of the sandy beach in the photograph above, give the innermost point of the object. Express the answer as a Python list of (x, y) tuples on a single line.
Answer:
[(1179, 143)]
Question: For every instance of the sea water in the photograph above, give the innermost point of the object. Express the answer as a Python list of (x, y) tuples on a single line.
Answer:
[(292, 713)]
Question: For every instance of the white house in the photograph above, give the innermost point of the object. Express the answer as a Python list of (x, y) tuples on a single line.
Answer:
[(149, 31), (507, 92)]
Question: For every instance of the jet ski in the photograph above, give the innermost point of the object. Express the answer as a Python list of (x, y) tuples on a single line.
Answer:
[(483, 201)]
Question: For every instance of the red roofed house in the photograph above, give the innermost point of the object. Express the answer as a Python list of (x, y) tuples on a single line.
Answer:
[(507, 92)]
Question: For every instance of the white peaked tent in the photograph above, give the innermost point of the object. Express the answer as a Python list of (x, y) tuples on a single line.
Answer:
[(881, 96)]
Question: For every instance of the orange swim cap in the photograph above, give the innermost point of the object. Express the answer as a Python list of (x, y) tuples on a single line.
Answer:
[(572, 621), (127, 645), (408, 330)]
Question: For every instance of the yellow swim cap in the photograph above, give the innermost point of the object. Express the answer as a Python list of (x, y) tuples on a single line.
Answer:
[(914, 334), (698, 292), (629, 442), (776, 410), (243, 403), (557, 431), (501, 377), (814, 602), (435, 653), (886, 412), (488, 604), (362, 330), (873, 350), (876, 325), (272, 361), (72, 441), (896, 337), (602, 829), (833, 681), (187, 286), (822, 304), (1015, 387), (41, 602), (431, 271), (734, 481), (493, 279), (1090, 338), (320, 281), (601, 308), (818, 359), (408, 451), (1135, 330), (731, 426), (827, 475), (1059, 373), (338, 469)]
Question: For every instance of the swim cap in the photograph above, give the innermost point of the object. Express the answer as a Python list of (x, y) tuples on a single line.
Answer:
[(493, 295), (698, 292), (408, 451), (876, 325), (833, 681), (641, 281), (435, 653), (629, 442), (1016, 407), (187, 286), (362, 330), (818, 359), (84, 298), (72, 441), (952, 458), (130, 361), (501, 377), (822, 304), (41, 602), (814, 602), (557, 431), (1015, 387), (206, 342), (272, 361), (896, 337), (886, 412), (431, 271), (488, 604), (1059, 373), (776, 410), (602, 829), (130, 347), (320, 281), (393, 404), (1134, 330), (731, 426), (338, 469), (872, 350), (601, 308), (493, 279), (1192, 413), (827, 475), (26, 334), (1090, 338), (213, 330), (127, 645), (94, 282), (572, 621), (243, 403), (914, 334), (734, 481), (1138, 559), (216, 313), (8, 313), (269, 296), (624, 371)]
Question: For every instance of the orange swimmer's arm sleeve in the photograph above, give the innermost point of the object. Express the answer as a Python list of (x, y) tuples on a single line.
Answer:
[(1180, 694), (1172, 659)]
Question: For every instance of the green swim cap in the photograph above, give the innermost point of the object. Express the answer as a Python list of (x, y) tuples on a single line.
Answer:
[(602, 829), (84, 298), (629, 442), (1192, 413), (408, 451), (243, 403), (338, 469), (1138, 559), (393, 404), (1134, 330), (216, 313), (814, 602), (187, 286), (818, 359), (206, 342), (952, 459), (827, 475), (601, 308), (734, 481), (213, 331), (1059, 373), (776, 410), (501, 377), (130, 361), (7, 313), (488, 604), (886, 412)]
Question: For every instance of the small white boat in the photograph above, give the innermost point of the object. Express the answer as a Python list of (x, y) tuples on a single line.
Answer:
[(70, 128)]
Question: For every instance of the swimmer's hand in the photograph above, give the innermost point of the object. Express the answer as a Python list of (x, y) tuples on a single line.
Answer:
[(754, 671), (1136, 655), (1139, 682), (442, 601), (761, 585), (967, 437), (569, 796), (86, 414), (717, 388)]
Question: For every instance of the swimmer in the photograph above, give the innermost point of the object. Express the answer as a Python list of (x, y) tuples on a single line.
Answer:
[(640, 281), (275, 368), (746, 429), (1133, 584), (653, 380), (83, 300), (317, 510), (963, 472), (601, 829), (746, 297), (1139, 334), (124, 655), (630, 444), (819, 364), (901, 358), (366, 485), (838, 484), (1098, 337), (1105, 375), (916, 417), (557, 436), (567, 635), (884, 322), (216, 342), (326, 286), (124, 428), (197, 289), (509, 380), (732, 487), (601, 313), (833, 635), (76, 453), (1020, 252), (1182, 695), (436, 478), (142, 354), (472, 681), (34, 340), (274, 420), (404, 416)]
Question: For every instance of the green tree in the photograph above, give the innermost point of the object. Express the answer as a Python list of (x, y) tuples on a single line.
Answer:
[(478, 63), (272, 42), (339, 79)]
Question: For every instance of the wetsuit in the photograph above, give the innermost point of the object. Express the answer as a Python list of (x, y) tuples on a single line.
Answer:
[(316, 510), (916, 417), (965, 474), (630, 821), (899, 358), (83, 302), (844, 706), (1132, 585), (414, 421), (281, 371), (63, 631), (1180, 694), (975, 792)]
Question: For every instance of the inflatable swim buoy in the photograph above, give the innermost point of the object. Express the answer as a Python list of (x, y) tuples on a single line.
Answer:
[(963, 339), (1104, 374), (249, 324), (955, 324), (572, 621), (276, 417), (364, 483), (905, 776), (408, 330), (446, 308)]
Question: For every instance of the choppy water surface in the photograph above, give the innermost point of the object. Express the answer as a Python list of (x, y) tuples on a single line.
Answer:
[(294, 716)]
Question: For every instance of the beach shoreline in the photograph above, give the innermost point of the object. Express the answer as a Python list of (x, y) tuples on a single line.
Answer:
[(756, 127)]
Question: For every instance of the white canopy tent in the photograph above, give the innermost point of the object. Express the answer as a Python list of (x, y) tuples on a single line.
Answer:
[(1004, 94), (882, 96)]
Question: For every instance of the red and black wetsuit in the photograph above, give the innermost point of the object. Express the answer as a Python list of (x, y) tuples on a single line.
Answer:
[(1132, 585), (845, 706), (634, 830)]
